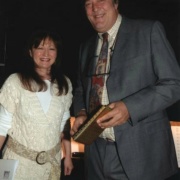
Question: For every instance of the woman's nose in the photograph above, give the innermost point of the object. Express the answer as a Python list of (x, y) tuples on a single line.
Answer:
[(45, 52)]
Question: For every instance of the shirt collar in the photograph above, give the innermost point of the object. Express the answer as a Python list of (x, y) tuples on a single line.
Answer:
[(114, 29)]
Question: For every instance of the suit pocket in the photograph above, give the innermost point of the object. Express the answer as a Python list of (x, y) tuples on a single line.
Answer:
[(156, 123)]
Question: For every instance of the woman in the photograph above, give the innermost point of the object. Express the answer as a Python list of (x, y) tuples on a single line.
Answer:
[(34, 110)]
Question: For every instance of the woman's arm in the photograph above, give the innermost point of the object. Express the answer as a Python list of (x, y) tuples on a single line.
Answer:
[(68, 165), (66, 143), (5, 124), (2, 139)]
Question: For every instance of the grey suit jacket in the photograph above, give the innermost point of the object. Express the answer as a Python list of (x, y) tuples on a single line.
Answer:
[(145, 75)]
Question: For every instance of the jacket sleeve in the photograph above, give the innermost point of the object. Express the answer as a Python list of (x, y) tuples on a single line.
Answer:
[(166, 90), (79, 94)]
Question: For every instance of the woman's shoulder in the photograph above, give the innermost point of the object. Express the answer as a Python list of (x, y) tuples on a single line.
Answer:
[(12, 79), (67, 79), (11, 86), (68, 82)]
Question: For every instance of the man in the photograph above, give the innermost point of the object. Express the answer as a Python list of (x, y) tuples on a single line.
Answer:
[(142, 79)]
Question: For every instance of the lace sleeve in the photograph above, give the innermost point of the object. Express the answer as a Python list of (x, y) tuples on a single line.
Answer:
[(9, 95), (66, 116), (68, 97)]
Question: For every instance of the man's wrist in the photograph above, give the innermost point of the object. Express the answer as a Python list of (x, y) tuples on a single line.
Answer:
[(82, 112)]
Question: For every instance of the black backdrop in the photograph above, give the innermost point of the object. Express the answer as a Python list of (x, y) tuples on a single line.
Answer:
[(18, 18)]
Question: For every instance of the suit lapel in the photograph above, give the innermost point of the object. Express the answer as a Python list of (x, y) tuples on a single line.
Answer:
[(117, 56), (120, 46)]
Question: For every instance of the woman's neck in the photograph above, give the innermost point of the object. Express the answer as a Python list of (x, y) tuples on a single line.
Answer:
[(44, 73)]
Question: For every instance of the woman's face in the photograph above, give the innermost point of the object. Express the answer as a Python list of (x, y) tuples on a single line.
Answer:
[(44, 55)]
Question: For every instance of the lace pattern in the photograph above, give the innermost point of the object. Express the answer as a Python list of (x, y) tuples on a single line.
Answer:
[(31, 126)]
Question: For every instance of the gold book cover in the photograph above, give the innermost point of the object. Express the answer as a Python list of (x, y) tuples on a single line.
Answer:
[(90, 130)]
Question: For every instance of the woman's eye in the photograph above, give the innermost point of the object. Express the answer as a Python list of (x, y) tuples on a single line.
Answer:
[(39, 48)]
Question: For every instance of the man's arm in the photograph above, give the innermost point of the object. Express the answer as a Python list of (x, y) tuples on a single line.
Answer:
[(79, 120), (165, 91), (155, 97)]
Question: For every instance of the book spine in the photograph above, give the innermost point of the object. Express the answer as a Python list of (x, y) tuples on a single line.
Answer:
[(88, 123)]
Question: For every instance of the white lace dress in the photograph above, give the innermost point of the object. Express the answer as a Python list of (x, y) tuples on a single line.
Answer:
[(31, 126)]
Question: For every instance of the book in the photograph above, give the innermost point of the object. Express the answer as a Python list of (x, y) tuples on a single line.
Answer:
[(90, 130), (8, 168), (175, 128)]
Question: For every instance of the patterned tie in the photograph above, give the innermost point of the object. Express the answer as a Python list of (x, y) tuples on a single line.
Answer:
[(98, 78)]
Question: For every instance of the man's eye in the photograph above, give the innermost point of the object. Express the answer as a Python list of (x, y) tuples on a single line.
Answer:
[(87, 4)]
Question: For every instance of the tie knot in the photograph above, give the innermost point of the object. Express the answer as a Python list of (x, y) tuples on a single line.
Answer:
[(105, 36)]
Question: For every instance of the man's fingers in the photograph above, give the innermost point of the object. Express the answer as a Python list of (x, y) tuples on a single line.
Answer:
[(73, 130), (77, 123)]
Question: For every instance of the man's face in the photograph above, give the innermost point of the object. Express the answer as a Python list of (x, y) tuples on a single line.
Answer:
[(102, 14)]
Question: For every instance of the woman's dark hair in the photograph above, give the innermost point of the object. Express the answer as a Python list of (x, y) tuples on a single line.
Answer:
[(29, 76)]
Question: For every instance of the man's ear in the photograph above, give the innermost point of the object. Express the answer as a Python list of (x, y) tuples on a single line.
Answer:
[(30, 53), (116, 3)]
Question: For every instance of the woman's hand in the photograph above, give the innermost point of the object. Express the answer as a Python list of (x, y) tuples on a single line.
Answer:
[(68, 166)]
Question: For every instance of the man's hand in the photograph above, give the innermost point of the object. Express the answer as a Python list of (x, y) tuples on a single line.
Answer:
[(78, 122), (117, 116)]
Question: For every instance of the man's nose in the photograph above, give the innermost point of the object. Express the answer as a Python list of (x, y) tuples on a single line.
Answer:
[(94, 7)]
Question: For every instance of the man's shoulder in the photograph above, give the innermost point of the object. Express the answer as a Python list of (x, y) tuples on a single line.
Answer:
[(90, 42), (139, 25), (138, 21), (91, 38)]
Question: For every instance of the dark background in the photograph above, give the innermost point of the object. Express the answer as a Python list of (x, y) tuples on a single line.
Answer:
[(18, 18)]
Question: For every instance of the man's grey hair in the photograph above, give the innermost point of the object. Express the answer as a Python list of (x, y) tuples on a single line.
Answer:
[(114, 1)]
